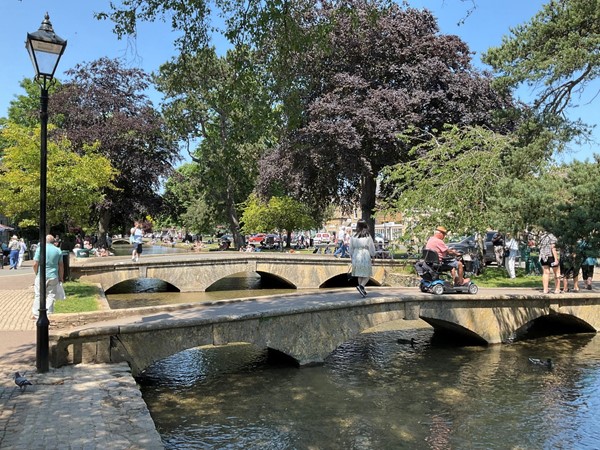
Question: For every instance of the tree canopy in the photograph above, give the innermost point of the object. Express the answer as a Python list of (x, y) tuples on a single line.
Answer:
[(75, 181), (556, 52), (222, 105), (378, 70), (105, 102)]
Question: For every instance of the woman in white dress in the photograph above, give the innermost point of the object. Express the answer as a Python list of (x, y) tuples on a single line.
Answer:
[(362, 249)]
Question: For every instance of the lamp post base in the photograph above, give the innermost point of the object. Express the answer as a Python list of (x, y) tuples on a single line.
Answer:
[(43, 342)]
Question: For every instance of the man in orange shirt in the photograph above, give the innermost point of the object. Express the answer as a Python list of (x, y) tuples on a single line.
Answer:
[(437, 244)]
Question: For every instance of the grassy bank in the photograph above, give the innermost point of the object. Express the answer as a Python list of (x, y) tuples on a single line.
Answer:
[(494, 277), (81, 297)]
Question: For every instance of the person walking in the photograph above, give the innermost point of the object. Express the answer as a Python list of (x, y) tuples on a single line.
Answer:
[(135, 235), (362, 249), (570, 262), (22, 250), (587, 271), (341, 235), (498, 243), (54, 275), (512, 247), (14, 247), (549, 261)]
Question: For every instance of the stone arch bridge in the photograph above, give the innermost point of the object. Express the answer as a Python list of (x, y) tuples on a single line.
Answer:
[(196, 272), (309, 327)]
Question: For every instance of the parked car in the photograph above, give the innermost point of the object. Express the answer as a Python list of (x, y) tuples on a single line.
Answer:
[(464, 244), (271, 241), (322, 238), (257, 239), (469, 247)]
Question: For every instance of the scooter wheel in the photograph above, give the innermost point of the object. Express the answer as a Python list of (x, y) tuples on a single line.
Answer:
[(473, 289), (423, 287), (438, 289)]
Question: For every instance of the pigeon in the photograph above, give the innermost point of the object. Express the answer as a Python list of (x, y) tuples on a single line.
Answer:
[(542, 362), (21, 381)]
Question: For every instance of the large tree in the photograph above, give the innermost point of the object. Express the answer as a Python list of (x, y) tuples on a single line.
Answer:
[(221, 104), (378, 70), (106, 102)]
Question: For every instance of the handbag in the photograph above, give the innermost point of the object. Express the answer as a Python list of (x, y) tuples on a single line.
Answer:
[(60, 292)]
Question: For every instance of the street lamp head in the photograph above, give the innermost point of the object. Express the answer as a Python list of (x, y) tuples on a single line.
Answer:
[(45, 49)]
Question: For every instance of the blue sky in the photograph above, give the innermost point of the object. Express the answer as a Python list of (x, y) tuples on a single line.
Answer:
[(89, 39)]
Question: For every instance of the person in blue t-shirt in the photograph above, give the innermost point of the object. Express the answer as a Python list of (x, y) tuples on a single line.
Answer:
[(54, 275), (135, 235)]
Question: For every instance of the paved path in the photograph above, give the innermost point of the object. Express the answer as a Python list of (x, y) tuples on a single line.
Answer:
[(75, 407)]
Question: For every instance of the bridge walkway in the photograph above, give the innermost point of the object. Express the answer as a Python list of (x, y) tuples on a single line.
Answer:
[(286, 303)]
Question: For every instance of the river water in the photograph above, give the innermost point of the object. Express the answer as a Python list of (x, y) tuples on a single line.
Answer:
[(377, 391)]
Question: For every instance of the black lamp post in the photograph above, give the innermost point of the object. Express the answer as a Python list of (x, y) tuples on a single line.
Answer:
[(45, 49)]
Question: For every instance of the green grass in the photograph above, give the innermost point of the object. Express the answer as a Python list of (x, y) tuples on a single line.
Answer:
[(493, 277), (497, 277), (81, 297)]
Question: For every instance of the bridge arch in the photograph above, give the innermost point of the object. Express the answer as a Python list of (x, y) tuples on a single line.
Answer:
[(120, 241), (553, 324), (133, 284)]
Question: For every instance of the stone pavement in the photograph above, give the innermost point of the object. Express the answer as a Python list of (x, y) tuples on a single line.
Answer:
[(74, 407)]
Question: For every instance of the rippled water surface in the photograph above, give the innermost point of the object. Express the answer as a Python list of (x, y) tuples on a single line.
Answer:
[(380, 392)]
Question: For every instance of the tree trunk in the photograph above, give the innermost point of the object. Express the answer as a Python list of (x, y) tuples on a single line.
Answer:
[(234, 222), (367, 199), (103, 224)]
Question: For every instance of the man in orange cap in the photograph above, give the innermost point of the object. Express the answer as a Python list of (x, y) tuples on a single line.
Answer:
[(437, 244)]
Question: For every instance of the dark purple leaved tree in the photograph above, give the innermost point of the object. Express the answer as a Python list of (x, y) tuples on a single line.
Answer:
[(378, 71), (106, 102)]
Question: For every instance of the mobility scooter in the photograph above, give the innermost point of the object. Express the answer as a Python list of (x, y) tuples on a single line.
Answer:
[(436, 278)]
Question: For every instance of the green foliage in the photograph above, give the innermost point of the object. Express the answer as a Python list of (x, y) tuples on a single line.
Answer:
[(452, 179), (573, 215), (74, 181), (220, 102), (279, 214), (25, 109), (556, 52)]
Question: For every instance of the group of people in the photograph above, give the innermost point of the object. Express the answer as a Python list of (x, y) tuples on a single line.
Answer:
[(561, 262), (564, 264), (15, 249), (343, 242), (506, 250)]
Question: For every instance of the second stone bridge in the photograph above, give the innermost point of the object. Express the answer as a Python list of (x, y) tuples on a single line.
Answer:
[(197, 272)]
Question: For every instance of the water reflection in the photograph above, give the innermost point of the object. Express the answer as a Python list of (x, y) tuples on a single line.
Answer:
[(374, 392), (122, 250), (152, 292)]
